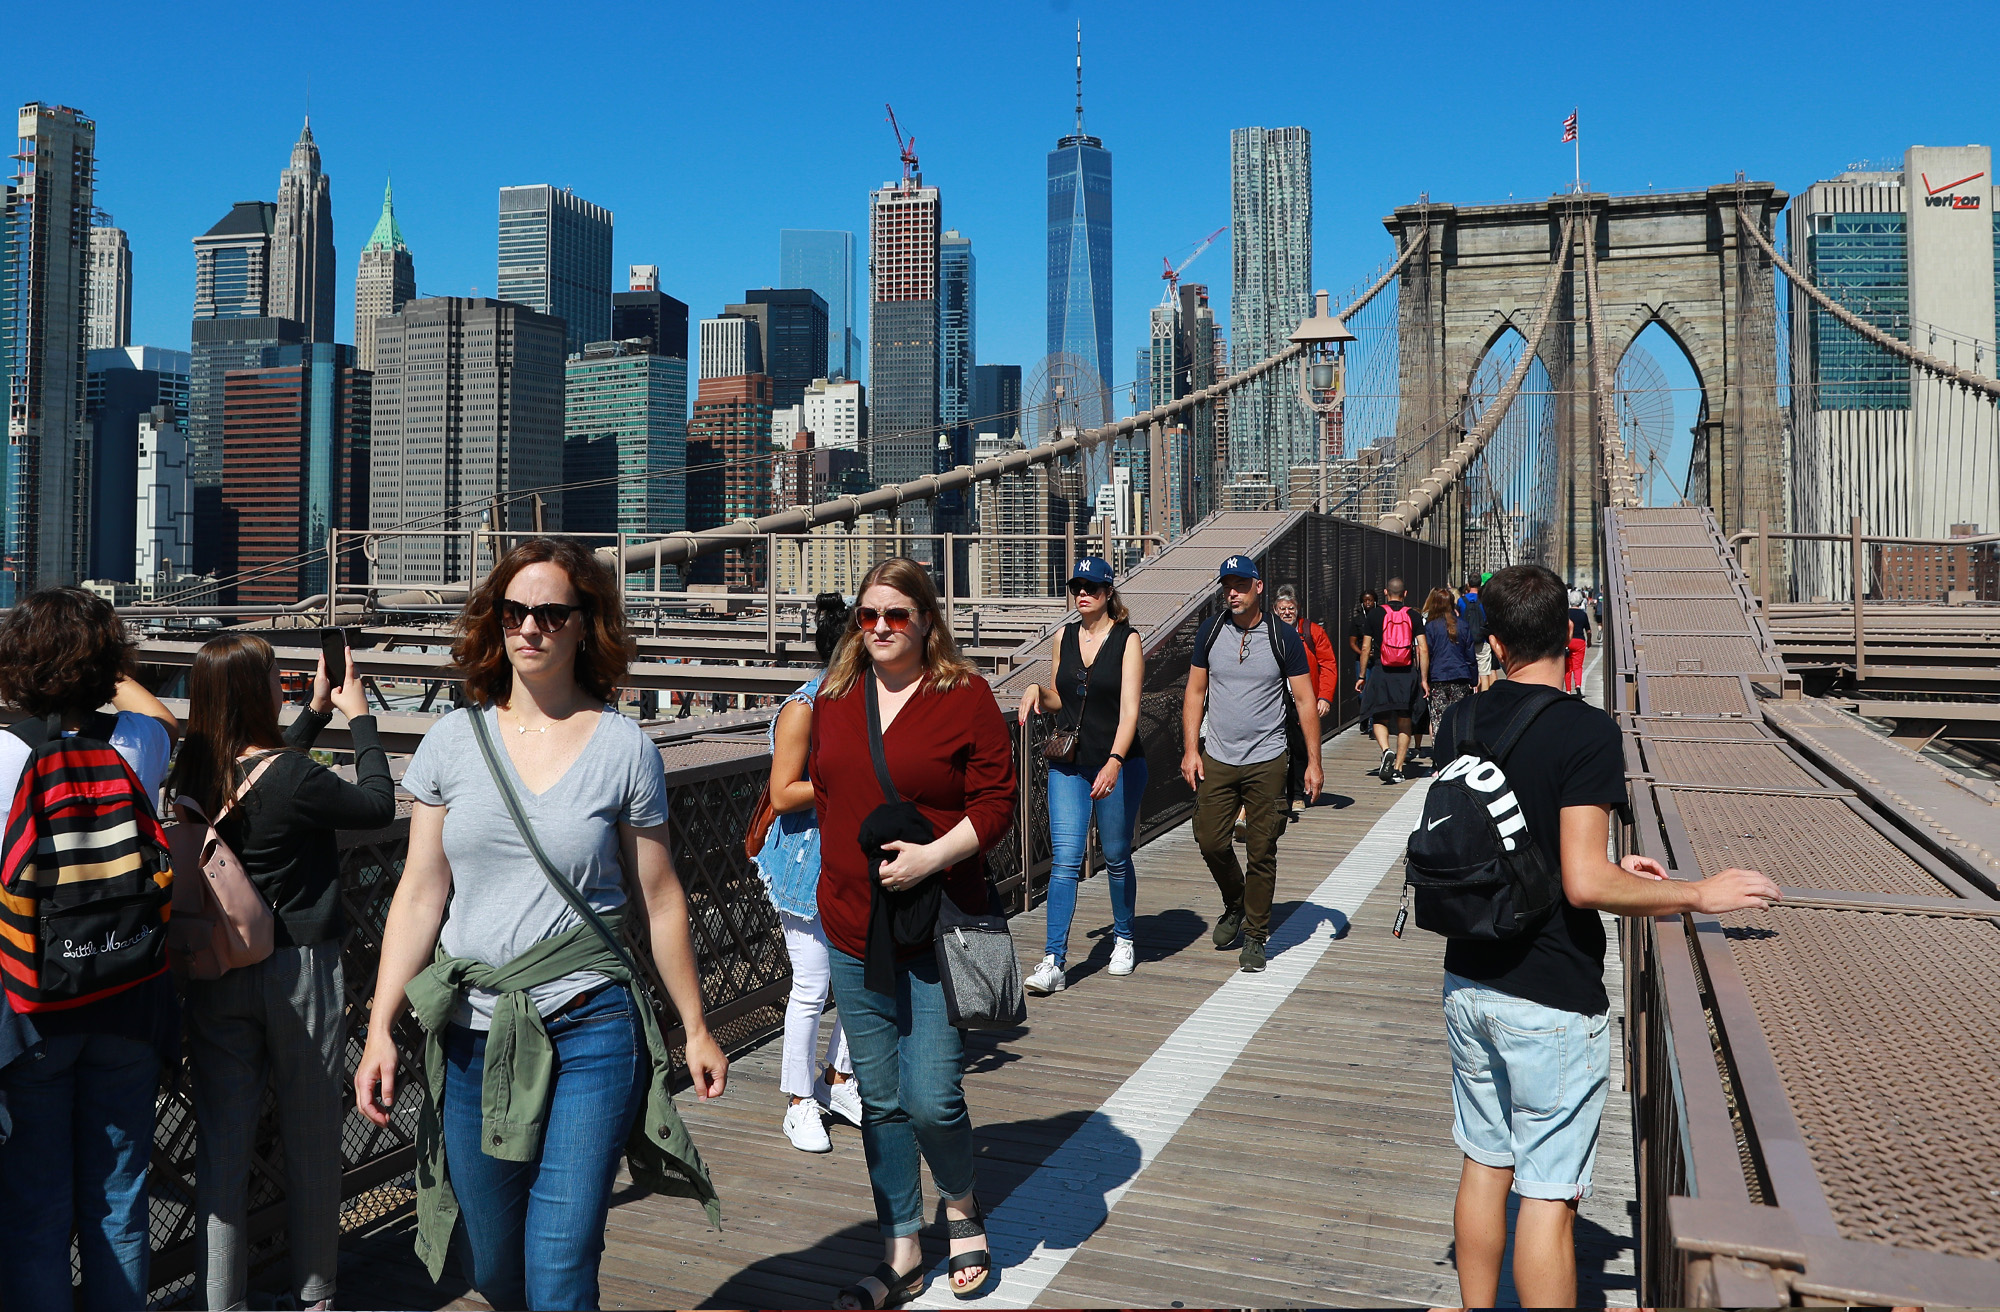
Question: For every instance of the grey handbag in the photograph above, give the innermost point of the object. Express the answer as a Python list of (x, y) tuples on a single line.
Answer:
[(977, 966)]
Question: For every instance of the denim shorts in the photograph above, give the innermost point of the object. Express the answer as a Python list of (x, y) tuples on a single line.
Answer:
[(1527, 1087)]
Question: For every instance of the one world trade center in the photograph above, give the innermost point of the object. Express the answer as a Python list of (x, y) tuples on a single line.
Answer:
[(1080, 262)]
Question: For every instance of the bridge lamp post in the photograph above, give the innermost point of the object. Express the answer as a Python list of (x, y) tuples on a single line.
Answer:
[(1322, 373)]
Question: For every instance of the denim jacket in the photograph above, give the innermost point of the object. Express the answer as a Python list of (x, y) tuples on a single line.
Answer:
[(789, 863)]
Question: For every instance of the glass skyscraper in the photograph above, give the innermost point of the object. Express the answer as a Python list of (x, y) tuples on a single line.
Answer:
[(555, 258), (957, 328), (1080, 250), (1270, 235), (824, 261)]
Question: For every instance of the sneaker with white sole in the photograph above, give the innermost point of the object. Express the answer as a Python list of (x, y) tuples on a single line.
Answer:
[(1047, 979), (1123, 957), (842, 1100), (805, 1129)]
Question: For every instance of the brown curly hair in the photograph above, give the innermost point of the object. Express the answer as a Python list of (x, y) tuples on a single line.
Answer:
[(61, 650), (480, 650)]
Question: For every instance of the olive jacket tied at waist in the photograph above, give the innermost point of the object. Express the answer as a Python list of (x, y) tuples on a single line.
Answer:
[(519, 1077)]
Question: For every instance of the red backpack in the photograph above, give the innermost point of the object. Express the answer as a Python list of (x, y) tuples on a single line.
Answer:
[(85, 882), (1399, 637)]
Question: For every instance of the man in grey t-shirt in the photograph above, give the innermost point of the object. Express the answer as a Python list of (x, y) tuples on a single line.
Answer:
[(1244, 668)]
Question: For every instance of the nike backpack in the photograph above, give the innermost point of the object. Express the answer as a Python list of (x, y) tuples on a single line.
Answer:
[(1472, 866), (1399, 638), (85, 882)]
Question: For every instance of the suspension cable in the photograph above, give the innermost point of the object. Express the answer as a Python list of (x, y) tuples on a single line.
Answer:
[(1620, 487), (1421, 499), (1930, 364)]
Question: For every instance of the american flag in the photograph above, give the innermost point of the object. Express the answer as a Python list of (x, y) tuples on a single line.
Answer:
[(1569, 128)]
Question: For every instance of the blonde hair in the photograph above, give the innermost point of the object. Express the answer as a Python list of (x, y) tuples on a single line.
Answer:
[(1441, 605), (944, 668)]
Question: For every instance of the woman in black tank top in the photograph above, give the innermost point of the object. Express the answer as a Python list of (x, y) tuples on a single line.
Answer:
[(1099, 673)]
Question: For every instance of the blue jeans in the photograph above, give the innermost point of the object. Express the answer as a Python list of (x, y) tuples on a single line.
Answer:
[(908, 1061), (1070, 807), (83, 1137), (535, 1230)]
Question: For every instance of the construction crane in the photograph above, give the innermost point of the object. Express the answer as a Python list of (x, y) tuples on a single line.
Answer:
[(908, 148), (1172, 276)]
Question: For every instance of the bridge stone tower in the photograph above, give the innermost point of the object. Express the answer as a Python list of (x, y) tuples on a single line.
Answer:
[(1670, 258)]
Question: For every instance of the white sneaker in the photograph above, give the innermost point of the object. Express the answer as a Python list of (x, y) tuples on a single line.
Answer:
[(843, 1100), (1048, 977), (1123, 956), (804, 1128)]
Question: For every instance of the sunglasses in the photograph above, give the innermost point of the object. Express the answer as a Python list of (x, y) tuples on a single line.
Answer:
[(899, 617), (1085, 585), (550, 616)]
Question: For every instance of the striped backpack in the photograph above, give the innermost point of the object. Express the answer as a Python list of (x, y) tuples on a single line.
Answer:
[(85, 881)]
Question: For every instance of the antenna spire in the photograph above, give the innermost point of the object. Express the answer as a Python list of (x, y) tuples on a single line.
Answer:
[(1079, 77)]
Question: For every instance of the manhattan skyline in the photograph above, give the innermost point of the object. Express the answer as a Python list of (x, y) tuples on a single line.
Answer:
[(703, 188)]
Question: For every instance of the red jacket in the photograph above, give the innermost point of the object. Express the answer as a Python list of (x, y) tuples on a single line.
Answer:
[(1319, 655), (948, 752)]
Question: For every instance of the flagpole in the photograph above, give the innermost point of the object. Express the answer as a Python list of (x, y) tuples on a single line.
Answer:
[(1577, 143)]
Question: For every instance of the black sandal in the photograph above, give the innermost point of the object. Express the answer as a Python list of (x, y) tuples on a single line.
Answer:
[(980, 1257), (897, 1288)]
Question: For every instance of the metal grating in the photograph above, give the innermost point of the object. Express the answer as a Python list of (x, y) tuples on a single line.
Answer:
[(1727, 765), (1664, 615), (1703, 655), (1802, 842), (1657, 582), (1702, 558), (1646, 516), (1859, 1007), (1654, 728), (1693, 694), (1666, 535)]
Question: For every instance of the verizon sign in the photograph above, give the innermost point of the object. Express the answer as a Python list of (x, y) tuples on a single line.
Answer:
[(1944, 196)]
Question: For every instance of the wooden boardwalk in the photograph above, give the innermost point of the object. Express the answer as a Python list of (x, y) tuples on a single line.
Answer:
[(1318, 1170)]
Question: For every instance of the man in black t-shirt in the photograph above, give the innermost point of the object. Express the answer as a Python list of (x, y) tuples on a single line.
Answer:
[(1527, 1017)]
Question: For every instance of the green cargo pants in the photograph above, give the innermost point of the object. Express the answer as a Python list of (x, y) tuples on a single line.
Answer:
[(1259, 790)]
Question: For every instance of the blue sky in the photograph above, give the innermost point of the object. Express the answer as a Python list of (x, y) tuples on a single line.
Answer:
[(708, 128)]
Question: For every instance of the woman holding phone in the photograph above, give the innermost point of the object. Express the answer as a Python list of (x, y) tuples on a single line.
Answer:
[(278, 1021)]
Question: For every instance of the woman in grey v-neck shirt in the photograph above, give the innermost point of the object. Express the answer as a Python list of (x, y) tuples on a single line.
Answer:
[(530, 1161)]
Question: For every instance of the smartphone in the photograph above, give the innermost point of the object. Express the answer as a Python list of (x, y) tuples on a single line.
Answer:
[(333, 646)]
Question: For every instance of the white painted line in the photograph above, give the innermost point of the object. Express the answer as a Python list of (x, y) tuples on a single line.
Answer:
[(1039, 1227)]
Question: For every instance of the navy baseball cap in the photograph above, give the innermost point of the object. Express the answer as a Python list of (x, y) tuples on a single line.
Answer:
[(1092, 569), (1238, 567)]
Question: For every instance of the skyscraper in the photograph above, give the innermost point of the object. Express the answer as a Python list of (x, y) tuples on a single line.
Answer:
[(732, 346), (651, 315), (729, 462), (163, 527), (385, 281), (957, 327), (110, 285), (302, 258), (232, 263), (625, 436), (824, 261), (122, 389), (836, 414), (996, 399), (555, 258), (795, 322), (44, 304), (468, 410), (1079, 180), (904, 226), (220, 345), (295, 466), (1270, 217)]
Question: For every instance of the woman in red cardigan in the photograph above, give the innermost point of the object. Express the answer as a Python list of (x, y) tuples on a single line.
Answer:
[(949, 753)]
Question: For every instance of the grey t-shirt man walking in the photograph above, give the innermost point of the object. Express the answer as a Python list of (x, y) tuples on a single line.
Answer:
[(1241, 682)]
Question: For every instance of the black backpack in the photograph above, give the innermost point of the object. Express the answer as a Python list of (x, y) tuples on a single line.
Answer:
[(1475, 871)]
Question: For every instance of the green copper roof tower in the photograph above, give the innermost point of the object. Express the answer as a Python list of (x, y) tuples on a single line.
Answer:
[(385, 282)]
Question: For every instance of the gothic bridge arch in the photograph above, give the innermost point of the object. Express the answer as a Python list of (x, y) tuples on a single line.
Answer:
[(1673, 258)]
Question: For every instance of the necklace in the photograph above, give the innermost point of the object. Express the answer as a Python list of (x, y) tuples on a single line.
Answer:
[(522, 728)]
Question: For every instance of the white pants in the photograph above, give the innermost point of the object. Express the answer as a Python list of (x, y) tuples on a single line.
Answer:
[(805, 940)]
